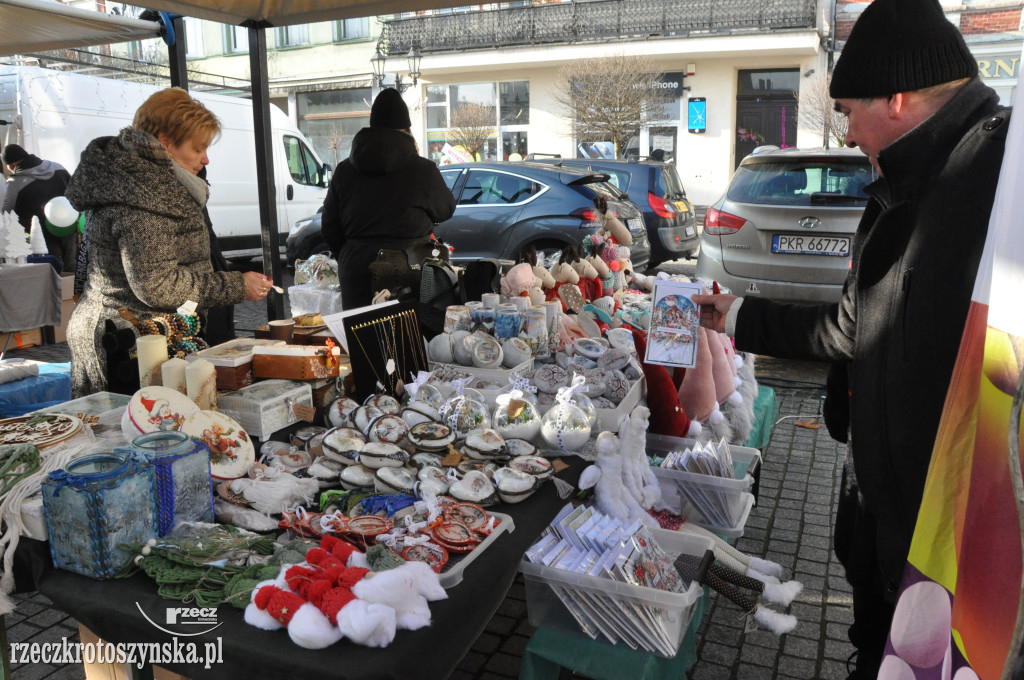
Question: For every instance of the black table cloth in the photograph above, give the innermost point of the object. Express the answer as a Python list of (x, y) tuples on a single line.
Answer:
[(114, 611)]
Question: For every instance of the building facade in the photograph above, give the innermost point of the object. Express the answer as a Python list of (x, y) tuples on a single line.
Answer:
[(737, 73)]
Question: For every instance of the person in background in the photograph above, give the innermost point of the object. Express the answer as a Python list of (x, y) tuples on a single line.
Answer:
[(935, 134), (384, 195), (148, 245), (33, 183)]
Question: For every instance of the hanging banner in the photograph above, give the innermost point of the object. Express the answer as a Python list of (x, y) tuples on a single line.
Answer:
[(958, 604)]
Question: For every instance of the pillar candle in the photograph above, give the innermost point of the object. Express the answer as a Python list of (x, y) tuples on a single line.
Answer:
[(201, 383), (152, 351), (491, 300), (173, 372)]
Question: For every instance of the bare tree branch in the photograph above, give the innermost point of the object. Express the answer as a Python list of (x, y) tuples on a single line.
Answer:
[(816, 110), (472, 125), (610, 99)]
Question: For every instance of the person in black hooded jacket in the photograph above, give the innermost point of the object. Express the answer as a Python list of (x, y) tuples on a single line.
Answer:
[(384, 195), (34, 182)]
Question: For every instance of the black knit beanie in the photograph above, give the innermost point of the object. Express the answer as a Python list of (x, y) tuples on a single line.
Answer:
[(900, 46), (389, 111), (14, 153)]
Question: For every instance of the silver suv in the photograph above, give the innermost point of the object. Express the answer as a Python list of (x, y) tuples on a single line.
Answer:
[(784, 228)]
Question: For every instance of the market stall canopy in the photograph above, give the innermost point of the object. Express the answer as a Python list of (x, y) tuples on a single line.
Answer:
[(289, 12), (34, 25)]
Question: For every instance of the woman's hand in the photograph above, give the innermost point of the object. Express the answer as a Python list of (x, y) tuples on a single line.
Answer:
[(713, 310), (256, 285)]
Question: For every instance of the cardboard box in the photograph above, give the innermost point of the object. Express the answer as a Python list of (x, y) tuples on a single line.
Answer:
[(232, 361), (60, 333), (67, 287), (113, 671), (26, 338)]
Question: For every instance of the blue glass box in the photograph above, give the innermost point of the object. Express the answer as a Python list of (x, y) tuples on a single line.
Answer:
[(181, 477), (95, 505)]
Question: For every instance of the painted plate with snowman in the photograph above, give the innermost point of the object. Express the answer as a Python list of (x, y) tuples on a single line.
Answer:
[(156, 409), (231, 449)]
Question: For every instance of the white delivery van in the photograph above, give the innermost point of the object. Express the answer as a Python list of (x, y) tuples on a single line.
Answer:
[(54, 115)]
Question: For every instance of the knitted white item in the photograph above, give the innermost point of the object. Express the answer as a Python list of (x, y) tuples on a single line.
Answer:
[(310, 629), (766, 566), (763, 578), (427, 581), (396, 588), (777, 623), (782, 593), (274, 496), (257, 617), (367, 624)]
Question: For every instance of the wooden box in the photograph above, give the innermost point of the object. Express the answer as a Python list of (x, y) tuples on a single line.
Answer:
[(294, 362), (232, 361), (302, 335)]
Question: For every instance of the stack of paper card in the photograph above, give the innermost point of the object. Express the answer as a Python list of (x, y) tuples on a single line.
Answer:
[(584, 541), (718, 506)]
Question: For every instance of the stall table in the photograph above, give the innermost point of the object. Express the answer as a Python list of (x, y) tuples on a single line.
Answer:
[(114, 611), (29, 298)]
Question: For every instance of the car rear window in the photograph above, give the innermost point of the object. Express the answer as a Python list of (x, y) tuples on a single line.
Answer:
[(667, 183), (801, 183)]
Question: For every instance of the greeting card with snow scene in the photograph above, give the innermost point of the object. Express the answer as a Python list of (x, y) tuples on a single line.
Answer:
[(675, 320)]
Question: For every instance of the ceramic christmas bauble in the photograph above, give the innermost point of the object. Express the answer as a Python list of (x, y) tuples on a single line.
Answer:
[(565, 426)]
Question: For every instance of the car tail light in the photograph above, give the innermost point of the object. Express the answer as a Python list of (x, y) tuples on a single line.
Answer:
[(718, 223), (661, 206), (588, 218)]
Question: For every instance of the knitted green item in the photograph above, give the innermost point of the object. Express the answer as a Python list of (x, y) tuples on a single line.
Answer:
[(239, 589), (382, 558), (17, 461)]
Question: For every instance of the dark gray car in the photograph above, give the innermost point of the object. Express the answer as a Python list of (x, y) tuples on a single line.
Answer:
[(502, 208), (784, 228)]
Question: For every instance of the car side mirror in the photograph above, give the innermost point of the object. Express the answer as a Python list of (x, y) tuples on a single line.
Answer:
[(326, 173)]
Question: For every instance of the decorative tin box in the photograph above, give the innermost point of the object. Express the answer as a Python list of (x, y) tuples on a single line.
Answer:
[(233, 361), (181, 476), (94, 506), (265, 407), (295, 362)]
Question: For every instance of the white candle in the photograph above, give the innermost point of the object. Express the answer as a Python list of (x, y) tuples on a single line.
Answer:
[(173, 372), (201, 383), (152, 351)]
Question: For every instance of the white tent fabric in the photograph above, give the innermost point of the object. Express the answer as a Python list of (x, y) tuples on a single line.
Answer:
[(33, 25), (289, 12)]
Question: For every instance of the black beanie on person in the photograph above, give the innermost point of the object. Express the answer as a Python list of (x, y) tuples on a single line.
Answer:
[(14, 154), (900, 46), (389, 111)]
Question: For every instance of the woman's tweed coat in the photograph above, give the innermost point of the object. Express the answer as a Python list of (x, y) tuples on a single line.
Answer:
[(148, 246)]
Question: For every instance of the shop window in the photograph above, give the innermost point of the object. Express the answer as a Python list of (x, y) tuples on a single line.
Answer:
[(514, 146), (330, 120), (515, 102)]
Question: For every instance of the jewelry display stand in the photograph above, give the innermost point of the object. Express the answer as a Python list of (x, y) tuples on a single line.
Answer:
[(386, 347)]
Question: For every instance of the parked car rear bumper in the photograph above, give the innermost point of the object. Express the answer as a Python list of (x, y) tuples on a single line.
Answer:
[(710, 269), (671, 242)]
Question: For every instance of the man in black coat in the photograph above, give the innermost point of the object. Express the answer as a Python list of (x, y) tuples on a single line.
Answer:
[(384, 195), (33, 184), (910, 90)]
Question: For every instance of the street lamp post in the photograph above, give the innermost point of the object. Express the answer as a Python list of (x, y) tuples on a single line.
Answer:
[(378, 60)]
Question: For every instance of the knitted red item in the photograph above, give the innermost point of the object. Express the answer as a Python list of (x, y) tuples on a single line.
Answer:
[(668, 417), (333, 601), (280, 604), (591, 289), (322, 558), (678, 373), (337, 547), (300, 578)]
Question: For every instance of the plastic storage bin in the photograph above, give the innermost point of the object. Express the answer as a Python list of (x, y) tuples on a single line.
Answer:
[(732, 495), (94, 506), (546, 587), (181, 477)]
